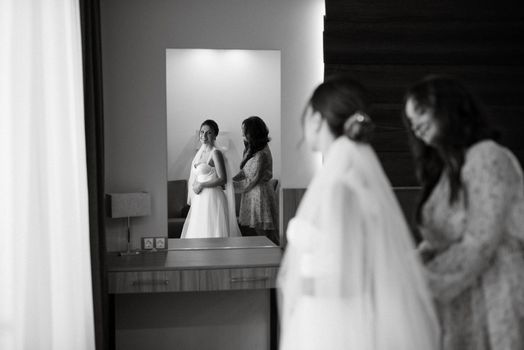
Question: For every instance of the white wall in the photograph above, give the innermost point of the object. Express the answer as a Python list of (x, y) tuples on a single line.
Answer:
[(135, 35), (226, 86)]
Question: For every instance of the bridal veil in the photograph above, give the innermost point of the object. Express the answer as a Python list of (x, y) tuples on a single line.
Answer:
[(351, 278)]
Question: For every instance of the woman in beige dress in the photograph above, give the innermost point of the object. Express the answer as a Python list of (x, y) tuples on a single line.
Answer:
[(471, 218), (258, 203)]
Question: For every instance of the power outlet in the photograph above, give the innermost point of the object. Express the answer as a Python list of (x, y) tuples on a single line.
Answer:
[(161, 243), (154, 243), (148, 243)]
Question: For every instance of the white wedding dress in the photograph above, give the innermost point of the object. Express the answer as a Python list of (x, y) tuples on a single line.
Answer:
[(212, 212), (350, 277)]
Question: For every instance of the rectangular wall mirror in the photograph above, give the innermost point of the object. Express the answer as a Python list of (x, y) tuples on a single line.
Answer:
[(226, 86)]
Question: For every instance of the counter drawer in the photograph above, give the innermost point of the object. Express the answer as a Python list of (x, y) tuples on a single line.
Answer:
[(192, 280)]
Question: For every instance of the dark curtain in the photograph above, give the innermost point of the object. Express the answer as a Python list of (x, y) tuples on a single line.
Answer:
[(94, 130)]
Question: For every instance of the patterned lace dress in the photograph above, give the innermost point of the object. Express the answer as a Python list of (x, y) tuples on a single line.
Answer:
[(477, 276), (258, 206)]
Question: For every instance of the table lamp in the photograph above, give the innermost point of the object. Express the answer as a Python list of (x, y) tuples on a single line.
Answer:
[(128, 205)]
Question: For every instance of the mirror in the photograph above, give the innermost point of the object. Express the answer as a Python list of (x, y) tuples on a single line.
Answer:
[(226, 86)]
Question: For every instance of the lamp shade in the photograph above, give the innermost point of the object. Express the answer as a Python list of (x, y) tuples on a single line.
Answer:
[(129, 204)]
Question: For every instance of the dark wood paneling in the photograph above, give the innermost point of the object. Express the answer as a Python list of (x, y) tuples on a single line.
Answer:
[(509, 121), (468, 10), (391, 136), (291, 198), (390, 45), (401, 48), (496, 85), (399, 168), (441, 32), (520, 156), (407, 198)]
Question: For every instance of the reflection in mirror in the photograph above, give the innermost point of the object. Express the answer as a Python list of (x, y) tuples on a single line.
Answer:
[(226, 86), (220, 243)]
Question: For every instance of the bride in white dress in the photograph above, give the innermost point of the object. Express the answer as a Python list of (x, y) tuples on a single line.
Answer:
[(350, 277), (210, 191)]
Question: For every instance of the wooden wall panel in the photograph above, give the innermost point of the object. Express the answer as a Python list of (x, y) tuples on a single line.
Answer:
[(432, 42), (390, 45), (398, 167), (468, 10), (291, 198), (390, 134), (497, 85), (407, 198), (510, 123)]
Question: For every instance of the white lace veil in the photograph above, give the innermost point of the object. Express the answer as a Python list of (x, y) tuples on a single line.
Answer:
[(231, 158), (234, 230), (350, 277)]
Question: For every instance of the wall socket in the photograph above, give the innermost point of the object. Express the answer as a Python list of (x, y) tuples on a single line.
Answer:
[(154, 243)]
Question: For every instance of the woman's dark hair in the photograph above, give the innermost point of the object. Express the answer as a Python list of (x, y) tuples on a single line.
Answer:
[(257, 137), (341, 101), (212, 124), (462, 121)]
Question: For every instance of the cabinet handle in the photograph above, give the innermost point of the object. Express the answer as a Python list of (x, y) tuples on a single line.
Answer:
[(138, 283), (248, 279)]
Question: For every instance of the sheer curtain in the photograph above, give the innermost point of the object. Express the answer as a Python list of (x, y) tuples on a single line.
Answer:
[(45, 277)]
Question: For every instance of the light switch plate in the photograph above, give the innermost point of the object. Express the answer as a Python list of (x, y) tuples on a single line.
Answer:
[(148, 243), (160, 242)]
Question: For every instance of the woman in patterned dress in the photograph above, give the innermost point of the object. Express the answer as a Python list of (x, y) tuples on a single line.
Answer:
[(258, 206), (471, 217)]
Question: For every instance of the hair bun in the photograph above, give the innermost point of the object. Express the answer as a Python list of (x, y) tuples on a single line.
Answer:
[(359, 127)]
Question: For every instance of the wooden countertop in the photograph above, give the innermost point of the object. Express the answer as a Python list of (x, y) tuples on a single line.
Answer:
[(234, 252), (220, 243)]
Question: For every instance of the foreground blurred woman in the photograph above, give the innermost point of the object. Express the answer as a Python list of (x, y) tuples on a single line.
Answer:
[(351, 278), (471, 217)]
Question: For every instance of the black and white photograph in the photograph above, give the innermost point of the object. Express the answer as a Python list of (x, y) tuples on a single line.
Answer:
[(261, 175)]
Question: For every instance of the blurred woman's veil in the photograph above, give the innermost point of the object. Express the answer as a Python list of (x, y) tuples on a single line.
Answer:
[(231, 158), (351, 278)]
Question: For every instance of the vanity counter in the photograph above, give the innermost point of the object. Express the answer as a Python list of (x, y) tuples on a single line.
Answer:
[(245, 263), (197, 295), (207, 253)]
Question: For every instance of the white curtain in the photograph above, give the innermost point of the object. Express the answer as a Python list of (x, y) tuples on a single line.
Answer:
[(45, 277)]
